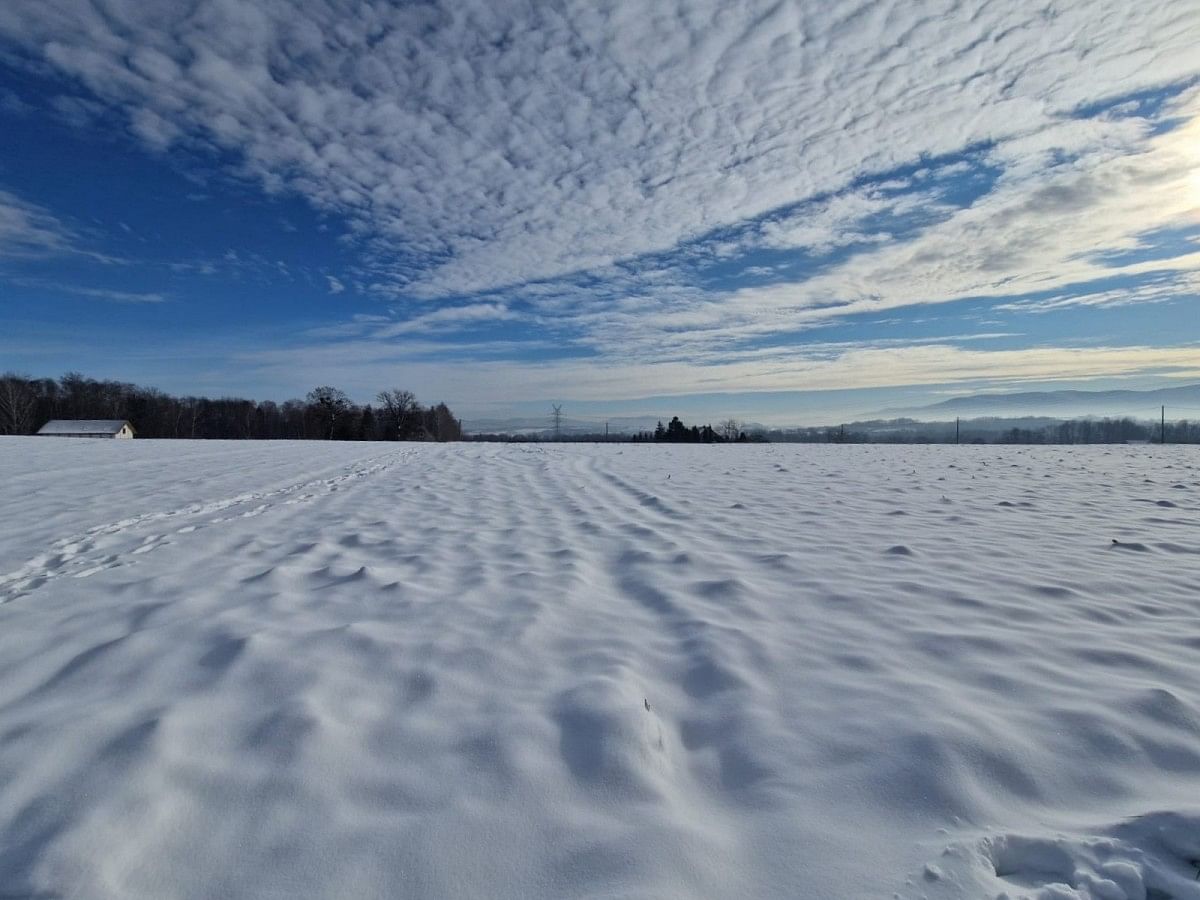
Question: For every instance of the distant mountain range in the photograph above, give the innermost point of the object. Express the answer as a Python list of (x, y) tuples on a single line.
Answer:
[(1139, 404), (542, 425), (1182, 402), (575, 427)]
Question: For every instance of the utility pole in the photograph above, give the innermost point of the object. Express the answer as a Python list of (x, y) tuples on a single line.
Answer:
[(606, 432), (557, 416), (1162, 426)]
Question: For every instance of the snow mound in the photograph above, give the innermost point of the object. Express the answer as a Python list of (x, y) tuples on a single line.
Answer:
[(1150, 857), (611, 739)]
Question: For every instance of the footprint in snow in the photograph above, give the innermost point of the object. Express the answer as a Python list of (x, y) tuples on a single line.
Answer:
[(1128, 545)]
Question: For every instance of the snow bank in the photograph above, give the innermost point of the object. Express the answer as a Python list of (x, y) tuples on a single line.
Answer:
[(317, 670)]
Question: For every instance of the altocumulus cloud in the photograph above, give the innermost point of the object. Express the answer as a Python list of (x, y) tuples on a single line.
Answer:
[(573, 165)]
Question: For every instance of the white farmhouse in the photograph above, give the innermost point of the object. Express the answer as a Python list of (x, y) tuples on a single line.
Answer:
[(88, 428)]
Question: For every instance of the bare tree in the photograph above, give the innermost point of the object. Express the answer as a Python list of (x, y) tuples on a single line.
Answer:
[(330, 405), (18, 403), (397, 409), (192, 404), (730, 429), (556, 418)]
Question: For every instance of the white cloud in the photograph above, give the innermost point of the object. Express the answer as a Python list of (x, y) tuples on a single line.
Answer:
[(474, 145), (448, 318), (524, 142), (444, 320), (28, 230), (11, 103), (1053, 228), (358, 365), (31, 232), (107, 294), (81, 112), (1161, 289), (115, 296)]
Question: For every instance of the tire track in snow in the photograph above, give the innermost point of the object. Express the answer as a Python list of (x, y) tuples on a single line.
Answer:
[(647, 566), (80, 556)]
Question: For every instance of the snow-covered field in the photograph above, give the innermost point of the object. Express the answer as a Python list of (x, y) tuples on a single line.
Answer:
[(258, 670)]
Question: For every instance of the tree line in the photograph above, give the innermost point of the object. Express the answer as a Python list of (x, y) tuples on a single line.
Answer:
[(997, 431), (326, 413), (676, 432)]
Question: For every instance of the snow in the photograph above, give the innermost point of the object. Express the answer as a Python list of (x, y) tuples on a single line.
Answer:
[(256, 670)]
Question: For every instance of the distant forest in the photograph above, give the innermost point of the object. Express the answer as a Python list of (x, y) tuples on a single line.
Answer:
[(897, 431), (674, 432), (996, 431), (325, 414)]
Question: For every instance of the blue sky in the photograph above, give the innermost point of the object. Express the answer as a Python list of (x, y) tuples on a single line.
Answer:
[(789, 212)]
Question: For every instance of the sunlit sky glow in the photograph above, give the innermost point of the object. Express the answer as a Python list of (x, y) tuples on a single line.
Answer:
[(753, 208)]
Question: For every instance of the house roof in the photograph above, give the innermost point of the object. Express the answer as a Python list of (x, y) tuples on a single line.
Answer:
[(84, 426)]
